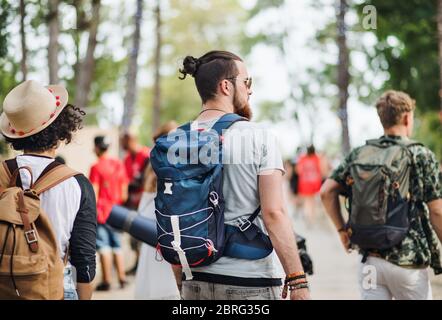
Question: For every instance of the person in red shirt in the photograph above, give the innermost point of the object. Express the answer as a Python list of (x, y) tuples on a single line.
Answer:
[(309, 181), (135, 163), (109, 180)]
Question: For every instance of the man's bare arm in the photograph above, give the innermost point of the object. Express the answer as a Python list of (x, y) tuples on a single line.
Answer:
[(84, 291), (435, 207), (330, 199), (279, 225)]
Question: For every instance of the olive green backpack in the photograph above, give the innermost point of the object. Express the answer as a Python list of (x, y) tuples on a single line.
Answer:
[(378, 182)]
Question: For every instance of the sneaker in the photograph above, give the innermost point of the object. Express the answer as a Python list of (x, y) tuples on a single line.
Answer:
[(132, 271), (123, 284), (103, 287)]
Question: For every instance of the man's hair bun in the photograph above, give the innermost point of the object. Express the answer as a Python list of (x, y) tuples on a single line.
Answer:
[(190, 66)]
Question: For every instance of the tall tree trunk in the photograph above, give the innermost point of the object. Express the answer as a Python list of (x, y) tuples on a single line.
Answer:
[(157, 88), (81, 26), (86, 67), (439, 29), (343, 73), (24, 50), (54, 30), (131, 79)]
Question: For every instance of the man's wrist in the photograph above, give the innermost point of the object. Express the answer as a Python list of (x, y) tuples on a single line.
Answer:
[(294, 281), (342, 229)]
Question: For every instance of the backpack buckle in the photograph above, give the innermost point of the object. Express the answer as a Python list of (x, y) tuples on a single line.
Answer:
[(31, 236), (214, 198), (244, 224)]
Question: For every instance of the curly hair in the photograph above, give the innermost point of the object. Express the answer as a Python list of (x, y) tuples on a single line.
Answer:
[(69, 120)]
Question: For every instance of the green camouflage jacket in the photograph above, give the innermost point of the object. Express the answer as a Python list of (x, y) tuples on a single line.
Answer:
[(420, 248)]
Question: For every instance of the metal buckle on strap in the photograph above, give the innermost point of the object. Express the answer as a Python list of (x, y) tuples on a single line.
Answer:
[(31, 236), (243, 224), (214, 198)]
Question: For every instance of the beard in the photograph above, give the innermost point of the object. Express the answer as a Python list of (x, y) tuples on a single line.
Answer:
[(242, 109)]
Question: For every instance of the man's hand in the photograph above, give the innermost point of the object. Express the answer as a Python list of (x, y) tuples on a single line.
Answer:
[(300, 294), (345, 239)]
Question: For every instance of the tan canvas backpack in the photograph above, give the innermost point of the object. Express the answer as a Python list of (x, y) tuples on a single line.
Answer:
[(30, 264)]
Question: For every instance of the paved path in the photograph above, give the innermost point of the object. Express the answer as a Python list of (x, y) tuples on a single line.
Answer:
[(335, 274)]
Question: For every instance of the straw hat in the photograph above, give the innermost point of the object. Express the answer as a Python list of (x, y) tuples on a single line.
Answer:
[(30, 107)]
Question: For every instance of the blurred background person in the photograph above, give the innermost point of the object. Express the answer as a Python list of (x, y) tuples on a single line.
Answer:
[(109, 180), (309, 182), (294, 179), (135, 164), (288, 190), (155, 277)]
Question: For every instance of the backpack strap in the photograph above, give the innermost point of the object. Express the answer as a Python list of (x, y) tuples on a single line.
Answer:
[(52, 175), (185, 127), (30, 234), (244, 224), (13, 171), (14, 177), (405, 144), (223, 123), (381, 143), (226, 121)]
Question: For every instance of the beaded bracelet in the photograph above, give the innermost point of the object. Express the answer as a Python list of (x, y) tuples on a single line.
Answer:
[(292, 283), (295, 274), (299, 286), (297, 277), (287, 280)]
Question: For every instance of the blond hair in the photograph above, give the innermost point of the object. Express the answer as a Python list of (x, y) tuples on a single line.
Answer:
[(150, 184), (392, 105)]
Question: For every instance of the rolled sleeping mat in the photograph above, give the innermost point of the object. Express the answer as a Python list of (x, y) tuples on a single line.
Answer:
[(130, 221), (145, 230)]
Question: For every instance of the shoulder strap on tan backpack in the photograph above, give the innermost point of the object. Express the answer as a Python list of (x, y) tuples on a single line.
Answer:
[(54, 174)]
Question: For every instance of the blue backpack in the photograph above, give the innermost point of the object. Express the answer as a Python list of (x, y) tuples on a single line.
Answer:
[(189, 205)]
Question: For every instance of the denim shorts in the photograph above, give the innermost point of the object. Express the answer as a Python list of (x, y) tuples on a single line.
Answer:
[(199, 290), (107, 238), (70, 292)]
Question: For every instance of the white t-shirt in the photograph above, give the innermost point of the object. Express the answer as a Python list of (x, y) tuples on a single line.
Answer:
[(249, 150), (61, 203)]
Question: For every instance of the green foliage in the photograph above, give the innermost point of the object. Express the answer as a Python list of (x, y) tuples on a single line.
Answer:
[(307, 89), (8, 67), (266, 36), (5, 7), (271, 110), (190, 28), (428, 130), (407, 50)]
